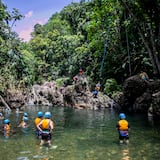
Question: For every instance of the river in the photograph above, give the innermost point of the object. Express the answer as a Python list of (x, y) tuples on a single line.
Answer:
[(81, 135)]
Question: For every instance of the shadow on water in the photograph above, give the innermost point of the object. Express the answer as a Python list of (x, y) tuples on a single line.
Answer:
[(81, 135)]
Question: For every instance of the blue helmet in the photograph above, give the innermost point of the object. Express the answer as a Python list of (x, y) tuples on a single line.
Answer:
[(122, 116), (25, 114), (25, 119), (6, 121), (40, 114), (47, 115)]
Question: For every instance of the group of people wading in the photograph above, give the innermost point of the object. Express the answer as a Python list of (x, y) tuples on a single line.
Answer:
[(43, 124), (44, 127)]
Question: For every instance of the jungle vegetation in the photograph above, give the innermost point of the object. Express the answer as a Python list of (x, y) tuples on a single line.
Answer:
[(108, 39)]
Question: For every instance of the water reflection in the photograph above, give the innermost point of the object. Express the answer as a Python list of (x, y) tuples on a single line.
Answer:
[(125, 154), (150, 120)]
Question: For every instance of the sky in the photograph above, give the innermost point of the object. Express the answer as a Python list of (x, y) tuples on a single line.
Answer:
[(34, 11)]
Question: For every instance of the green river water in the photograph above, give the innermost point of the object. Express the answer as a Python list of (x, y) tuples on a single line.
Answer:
[(81, 135)]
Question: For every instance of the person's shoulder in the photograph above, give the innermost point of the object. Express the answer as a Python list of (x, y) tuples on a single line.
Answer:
[(52, 121)]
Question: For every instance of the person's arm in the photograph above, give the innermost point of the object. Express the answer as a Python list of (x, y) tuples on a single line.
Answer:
[(51, 126), (117, 126), (38, 126)]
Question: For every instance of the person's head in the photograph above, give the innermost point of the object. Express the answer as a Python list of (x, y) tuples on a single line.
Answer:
[(40, 114), (47, 115), (6, 121), (122, 116), (25, 119), (25, 114)]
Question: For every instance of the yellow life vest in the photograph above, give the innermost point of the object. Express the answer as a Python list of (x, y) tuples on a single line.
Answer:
[(45, 124), (123, 124), (37, 120)]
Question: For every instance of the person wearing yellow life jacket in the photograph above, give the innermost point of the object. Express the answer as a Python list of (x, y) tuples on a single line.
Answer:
[(46, 127), (123, 128), (37, 120), (6, 128)]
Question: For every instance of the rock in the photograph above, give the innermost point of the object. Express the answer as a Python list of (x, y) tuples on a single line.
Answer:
[(138, 96), (155, 105), (77, 95)]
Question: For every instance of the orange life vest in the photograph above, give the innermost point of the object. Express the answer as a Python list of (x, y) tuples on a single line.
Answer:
[(7, 128), (37, 120), (45, 124), (123, 124)]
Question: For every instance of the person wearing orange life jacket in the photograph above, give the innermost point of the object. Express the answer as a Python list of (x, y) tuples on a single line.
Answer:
[(123, 128), (6, 128), (37, 120), (46, 126)]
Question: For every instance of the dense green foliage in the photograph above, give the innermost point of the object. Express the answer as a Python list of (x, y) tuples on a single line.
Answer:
[(111, 87), (106, 38)]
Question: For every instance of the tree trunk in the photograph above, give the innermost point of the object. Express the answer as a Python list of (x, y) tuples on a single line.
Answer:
[(154, 59), (5, 104), (155, 53)]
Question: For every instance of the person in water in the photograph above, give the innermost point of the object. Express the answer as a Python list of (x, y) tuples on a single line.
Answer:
[(46, 127), (25, 115), (6, 128), (24, 123), (123, 128), (37, 120)]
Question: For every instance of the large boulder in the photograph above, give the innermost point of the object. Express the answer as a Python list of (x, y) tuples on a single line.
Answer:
[(138, 95), (46, 94)]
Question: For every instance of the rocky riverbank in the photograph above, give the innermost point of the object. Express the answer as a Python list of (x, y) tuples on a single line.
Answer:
[(138, 95)]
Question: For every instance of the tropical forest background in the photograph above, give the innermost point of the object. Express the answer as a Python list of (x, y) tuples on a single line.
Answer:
[(110, 40)]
